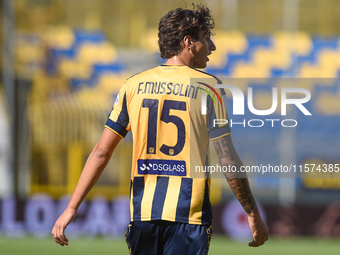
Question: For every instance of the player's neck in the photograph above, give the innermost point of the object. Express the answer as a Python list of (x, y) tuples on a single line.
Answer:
[(179, 60)]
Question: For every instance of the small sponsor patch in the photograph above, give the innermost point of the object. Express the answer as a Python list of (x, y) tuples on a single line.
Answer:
[(162, 167), (117, 99)]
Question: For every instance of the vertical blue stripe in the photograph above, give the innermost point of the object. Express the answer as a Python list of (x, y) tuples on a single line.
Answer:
[(206, 208), (159, 197), (206, 164), (211, 114), (123, 117), (138, 191), (222, 91), (130, 190), (184, 201)]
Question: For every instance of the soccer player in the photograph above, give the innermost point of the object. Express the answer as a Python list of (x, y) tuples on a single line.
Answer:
[(169, 203)]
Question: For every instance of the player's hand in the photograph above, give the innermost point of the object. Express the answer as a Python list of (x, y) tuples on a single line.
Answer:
[(258, 229), (60, 225)]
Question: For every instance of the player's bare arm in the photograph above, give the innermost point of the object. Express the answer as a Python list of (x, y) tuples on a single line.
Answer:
[(93, 168), (239, 184)]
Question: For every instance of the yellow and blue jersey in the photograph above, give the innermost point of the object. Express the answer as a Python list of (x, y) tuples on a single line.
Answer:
[(163, 109)]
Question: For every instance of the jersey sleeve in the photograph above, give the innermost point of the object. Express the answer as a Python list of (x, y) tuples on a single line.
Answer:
[(118, 120), (217, 116)]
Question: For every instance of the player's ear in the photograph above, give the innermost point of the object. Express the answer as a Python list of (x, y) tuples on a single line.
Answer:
[(187, 41)]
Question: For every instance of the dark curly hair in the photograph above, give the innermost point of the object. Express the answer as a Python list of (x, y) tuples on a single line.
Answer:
[(178, 23)]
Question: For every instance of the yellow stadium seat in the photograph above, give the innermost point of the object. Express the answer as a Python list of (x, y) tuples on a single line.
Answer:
[(309, 71), (330, 58), (270, 58), (302, 43), (317, 71), (28, 53), (244, 70), (73, 69), (61, 37), (90, 53), (236, 42), (298, 42)]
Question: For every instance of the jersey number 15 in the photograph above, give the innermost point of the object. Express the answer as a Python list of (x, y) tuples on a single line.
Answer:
[(152, 104)]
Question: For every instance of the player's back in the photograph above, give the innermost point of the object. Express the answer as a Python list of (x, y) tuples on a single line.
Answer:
[(162, 108)]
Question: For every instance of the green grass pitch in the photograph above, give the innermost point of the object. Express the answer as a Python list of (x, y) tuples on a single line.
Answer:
[(219, 245)]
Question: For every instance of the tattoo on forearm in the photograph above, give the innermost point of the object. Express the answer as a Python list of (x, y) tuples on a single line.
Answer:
[(237, 181), (218, 148)]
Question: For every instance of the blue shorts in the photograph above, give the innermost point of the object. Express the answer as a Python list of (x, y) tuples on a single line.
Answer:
[(167, 238)]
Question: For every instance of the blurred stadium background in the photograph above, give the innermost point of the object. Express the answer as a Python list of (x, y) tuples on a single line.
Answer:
[(63, 62)]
